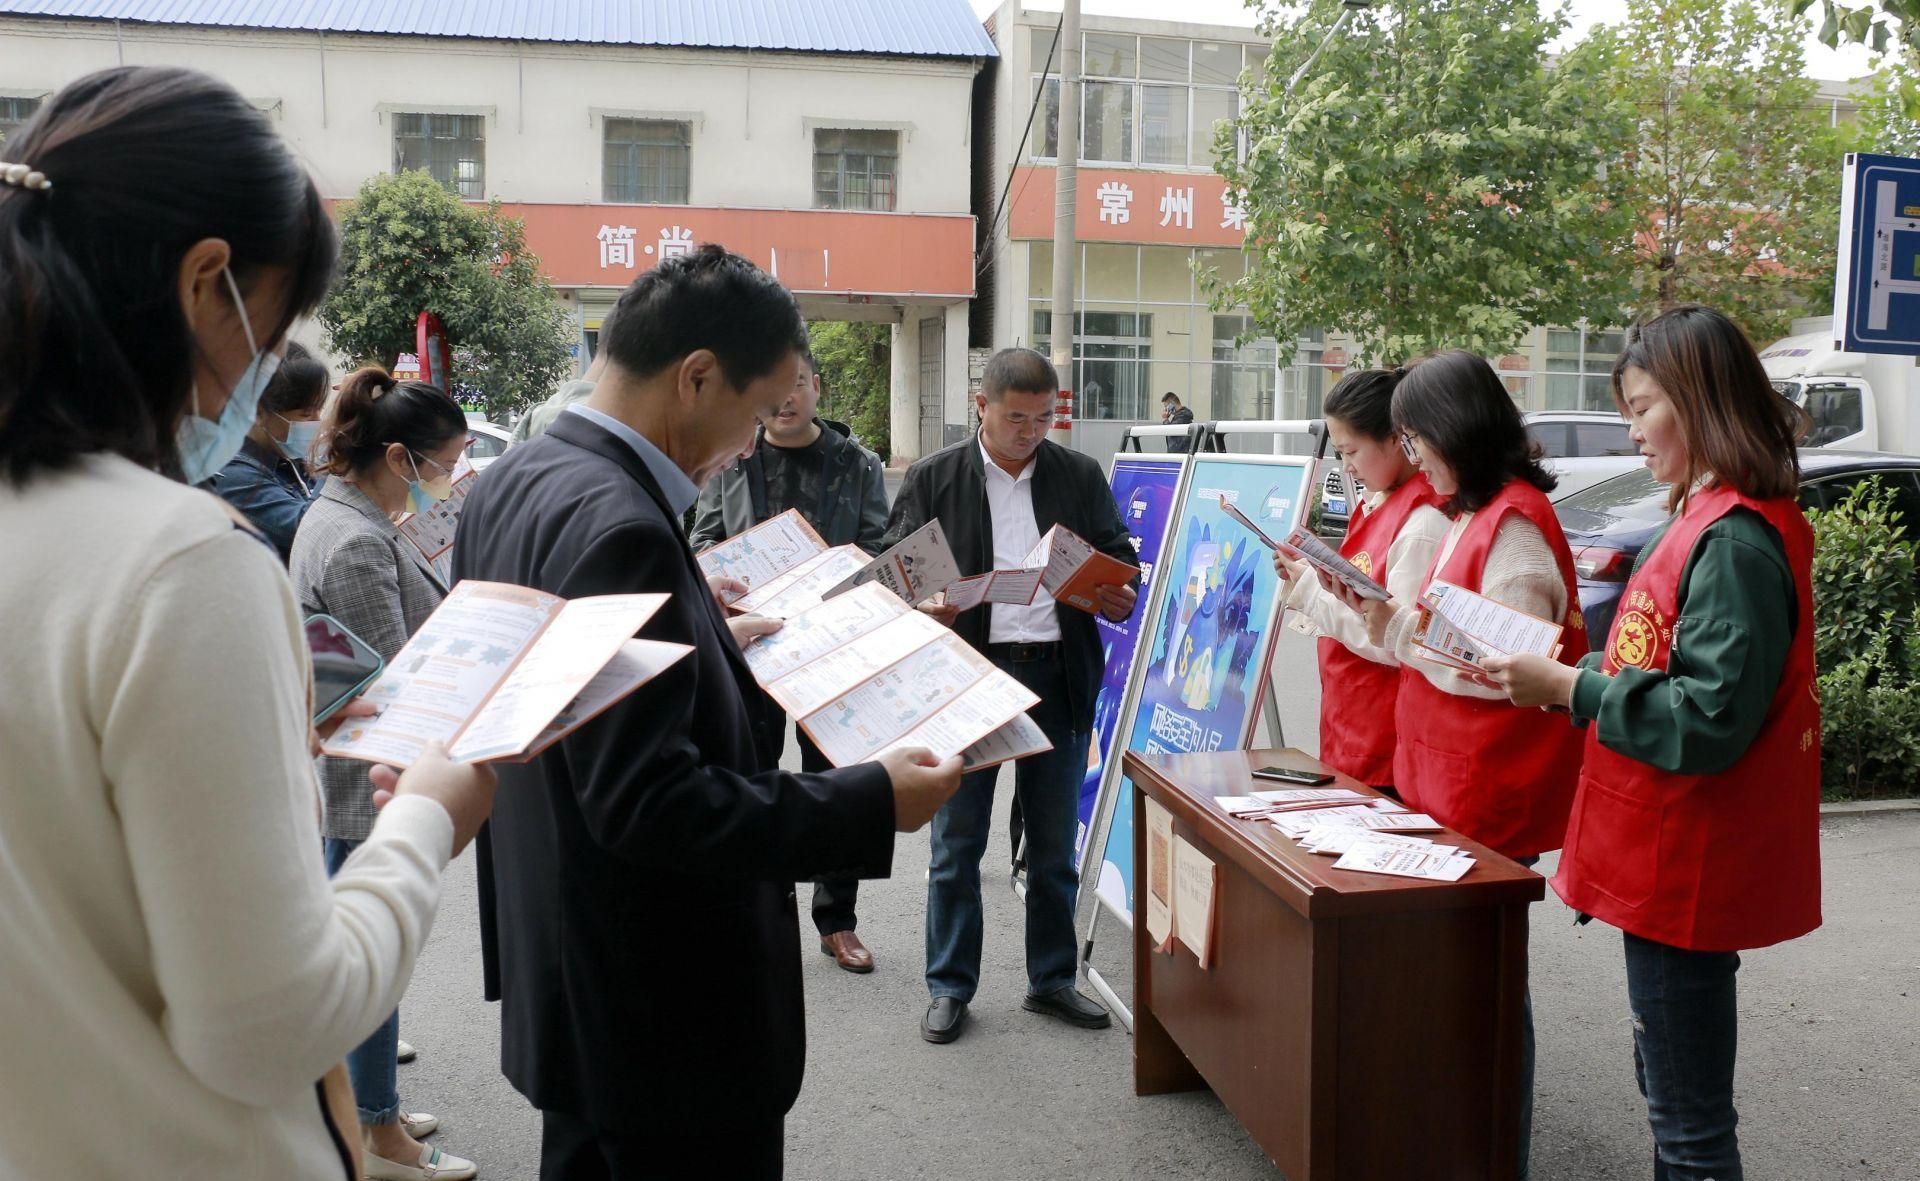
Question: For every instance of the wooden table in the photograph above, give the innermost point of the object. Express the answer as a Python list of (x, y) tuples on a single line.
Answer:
[(1360, 1027)]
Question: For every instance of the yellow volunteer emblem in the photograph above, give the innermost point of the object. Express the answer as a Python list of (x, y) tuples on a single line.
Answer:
[(1633, 641), (1363, 562)]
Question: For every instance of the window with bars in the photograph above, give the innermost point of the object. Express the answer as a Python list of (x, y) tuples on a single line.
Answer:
[(452, 149), (1112, 362), (1147, 100), (855, 169), (647, 161), (13, 112)]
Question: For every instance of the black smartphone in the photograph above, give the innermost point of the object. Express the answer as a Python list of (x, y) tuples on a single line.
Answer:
[(1290, 775), (343, 665)]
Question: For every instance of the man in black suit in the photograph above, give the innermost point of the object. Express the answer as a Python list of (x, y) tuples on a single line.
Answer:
[(996, 495), (637, 912)]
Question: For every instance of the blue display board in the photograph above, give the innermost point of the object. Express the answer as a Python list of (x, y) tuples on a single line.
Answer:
[(1876, 295), (1210, 630), (1144, 487)]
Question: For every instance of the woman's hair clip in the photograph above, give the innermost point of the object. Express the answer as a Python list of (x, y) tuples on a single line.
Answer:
[(24, 176)]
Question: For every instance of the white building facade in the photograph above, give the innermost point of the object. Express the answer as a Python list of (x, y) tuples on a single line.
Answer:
[(834, 151)]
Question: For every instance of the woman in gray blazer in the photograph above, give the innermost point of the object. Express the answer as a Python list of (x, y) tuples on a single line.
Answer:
[(391, 447)]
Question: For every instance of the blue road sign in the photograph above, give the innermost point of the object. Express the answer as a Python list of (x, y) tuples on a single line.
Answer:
[(1876, 296)]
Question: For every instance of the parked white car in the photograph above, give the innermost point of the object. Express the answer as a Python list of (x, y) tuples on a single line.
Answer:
[(489, 443), (1583, 447)]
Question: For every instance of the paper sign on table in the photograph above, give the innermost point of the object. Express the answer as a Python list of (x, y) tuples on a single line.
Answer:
[(1196, 885), (493, 667), (1460, 629), (1070, 569), (1159, 873), (431, 532), (764, 552)]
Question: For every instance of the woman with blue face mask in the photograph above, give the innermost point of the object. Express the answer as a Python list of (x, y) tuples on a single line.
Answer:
[(270, 480), (173, 951), (390, 449)]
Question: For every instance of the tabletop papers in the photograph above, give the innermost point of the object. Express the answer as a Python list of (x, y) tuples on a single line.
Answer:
[(1356, 828)]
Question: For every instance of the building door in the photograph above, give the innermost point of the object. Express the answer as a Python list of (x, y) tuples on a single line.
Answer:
[(933, 384)]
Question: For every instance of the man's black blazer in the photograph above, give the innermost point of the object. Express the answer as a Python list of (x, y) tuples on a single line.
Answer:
[(1068, 489), (637, 916)]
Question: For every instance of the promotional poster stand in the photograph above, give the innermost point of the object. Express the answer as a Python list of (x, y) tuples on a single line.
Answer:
[(1113, 796)]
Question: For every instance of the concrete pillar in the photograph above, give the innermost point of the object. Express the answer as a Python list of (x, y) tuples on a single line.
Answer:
[(903, 394), (957, 398)]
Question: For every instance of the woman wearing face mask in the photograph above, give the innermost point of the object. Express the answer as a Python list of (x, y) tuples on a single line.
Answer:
[(1465, 755), (1392, 538), (391, 448), (178, 970), (1696, 830), (269, 480)]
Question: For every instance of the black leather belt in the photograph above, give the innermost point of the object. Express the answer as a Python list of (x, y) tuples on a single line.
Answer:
[(1025, 653)]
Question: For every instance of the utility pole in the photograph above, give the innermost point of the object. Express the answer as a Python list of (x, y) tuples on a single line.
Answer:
[(1066, 253)]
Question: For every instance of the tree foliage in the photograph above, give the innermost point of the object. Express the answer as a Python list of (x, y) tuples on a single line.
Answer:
[(856, 371), (1889, 120), (408, 245), (1734, 163), (1889, 24), (1430, 183)]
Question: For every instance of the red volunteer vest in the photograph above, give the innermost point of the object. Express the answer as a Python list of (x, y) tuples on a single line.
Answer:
[(1356, 728), (1502, 775), (1720, 862)]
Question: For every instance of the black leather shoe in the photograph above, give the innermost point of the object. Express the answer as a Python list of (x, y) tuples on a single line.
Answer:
[(1071, 1007), (944, 1018)]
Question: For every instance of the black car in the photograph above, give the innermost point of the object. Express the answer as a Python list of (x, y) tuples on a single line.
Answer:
[(1609, 523)]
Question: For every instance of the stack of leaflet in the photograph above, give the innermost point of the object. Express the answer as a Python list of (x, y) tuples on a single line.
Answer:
[(1367, 834)]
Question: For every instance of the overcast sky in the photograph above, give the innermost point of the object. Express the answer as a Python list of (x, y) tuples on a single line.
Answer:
[(1821, 61)]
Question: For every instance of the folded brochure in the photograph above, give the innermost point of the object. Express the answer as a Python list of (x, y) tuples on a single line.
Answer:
[(788, 568), (503, 672), (1460, 629), (863, 673), (1063, 562)]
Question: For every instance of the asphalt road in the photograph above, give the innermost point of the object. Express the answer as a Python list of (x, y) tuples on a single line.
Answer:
[(1829, 1079)]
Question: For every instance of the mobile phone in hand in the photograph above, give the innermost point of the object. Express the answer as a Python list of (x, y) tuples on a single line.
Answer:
[(1291, 775), (343, 665)]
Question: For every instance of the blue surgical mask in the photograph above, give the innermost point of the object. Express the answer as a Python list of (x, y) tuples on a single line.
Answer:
[(301, 436), (423, 494), (207, 445)]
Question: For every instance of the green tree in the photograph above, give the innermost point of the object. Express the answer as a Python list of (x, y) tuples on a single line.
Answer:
[(408, 245), (1889, 23), (1889, 120), (856, 378), (1430, 183), (1734, 165)]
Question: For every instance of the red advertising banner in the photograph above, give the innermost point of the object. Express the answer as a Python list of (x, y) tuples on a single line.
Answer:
[(1159, 208), (812, 251)]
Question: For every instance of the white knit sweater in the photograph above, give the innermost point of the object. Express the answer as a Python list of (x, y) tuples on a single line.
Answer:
[(177, 969)]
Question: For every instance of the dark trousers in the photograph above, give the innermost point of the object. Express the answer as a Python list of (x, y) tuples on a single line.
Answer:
[(833, 898), (1685, 1037), (1048, 788), (571, 1149)]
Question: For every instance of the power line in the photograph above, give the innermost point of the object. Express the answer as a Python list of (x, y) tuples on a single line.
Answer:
[(1039, 92)]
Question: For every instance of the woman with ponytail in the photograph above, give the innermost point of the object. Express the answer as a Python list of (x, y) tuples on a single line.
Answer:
[(181, 980), (391, 447), (269, 480)]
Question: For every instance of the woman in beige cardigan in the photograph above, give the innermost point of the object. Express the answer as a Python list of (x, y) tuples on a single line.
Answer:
[(180, 974)]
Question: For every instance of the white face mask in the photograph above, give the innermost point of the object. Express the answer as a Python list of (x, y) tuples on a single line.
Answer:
[(207, 445)]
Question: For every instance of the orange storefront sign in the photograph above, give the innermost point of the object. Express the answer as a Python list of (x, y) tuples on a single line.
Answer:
[(1171, 208), (812, 251)]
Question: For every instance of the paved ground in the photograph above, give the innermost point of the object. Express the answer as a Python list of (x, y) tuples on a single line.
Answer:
[(1829, 1078)]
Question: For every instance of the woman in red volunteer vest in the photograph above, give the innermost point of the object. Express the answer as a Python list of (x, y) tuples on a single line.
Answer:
[(1500, 775), (1392, 538), (1696, 827)]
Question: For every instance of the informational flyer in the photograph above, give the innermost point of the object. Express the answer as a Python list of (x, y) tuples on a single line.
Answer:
[(1207, 641), (764, 552), (1143, 489), (918, 568), (1064, 563), (494, 666), (1460, 629)]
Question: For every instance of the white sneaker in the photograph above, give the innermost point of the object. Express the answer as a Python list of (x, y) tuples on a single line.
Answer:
[(434, 1165), (405, 1053), (419, 1124)]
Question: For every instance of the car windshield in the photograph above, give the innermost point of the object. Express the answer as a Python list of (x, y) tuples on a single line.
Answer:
[(1631, 501)]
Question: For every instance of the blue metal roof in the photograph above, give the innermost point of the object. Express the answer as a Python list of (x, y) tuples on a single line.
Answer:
[(911, 28)]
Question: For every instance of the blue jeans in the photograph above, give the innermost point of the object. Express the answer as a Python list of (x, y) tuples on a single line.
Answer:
[(1685, 1035), (373, 1065), (1048, 788)]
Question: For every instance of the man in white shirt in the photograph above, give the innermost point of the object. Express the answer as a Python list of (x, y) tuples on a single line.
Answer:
[(995, 496)]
